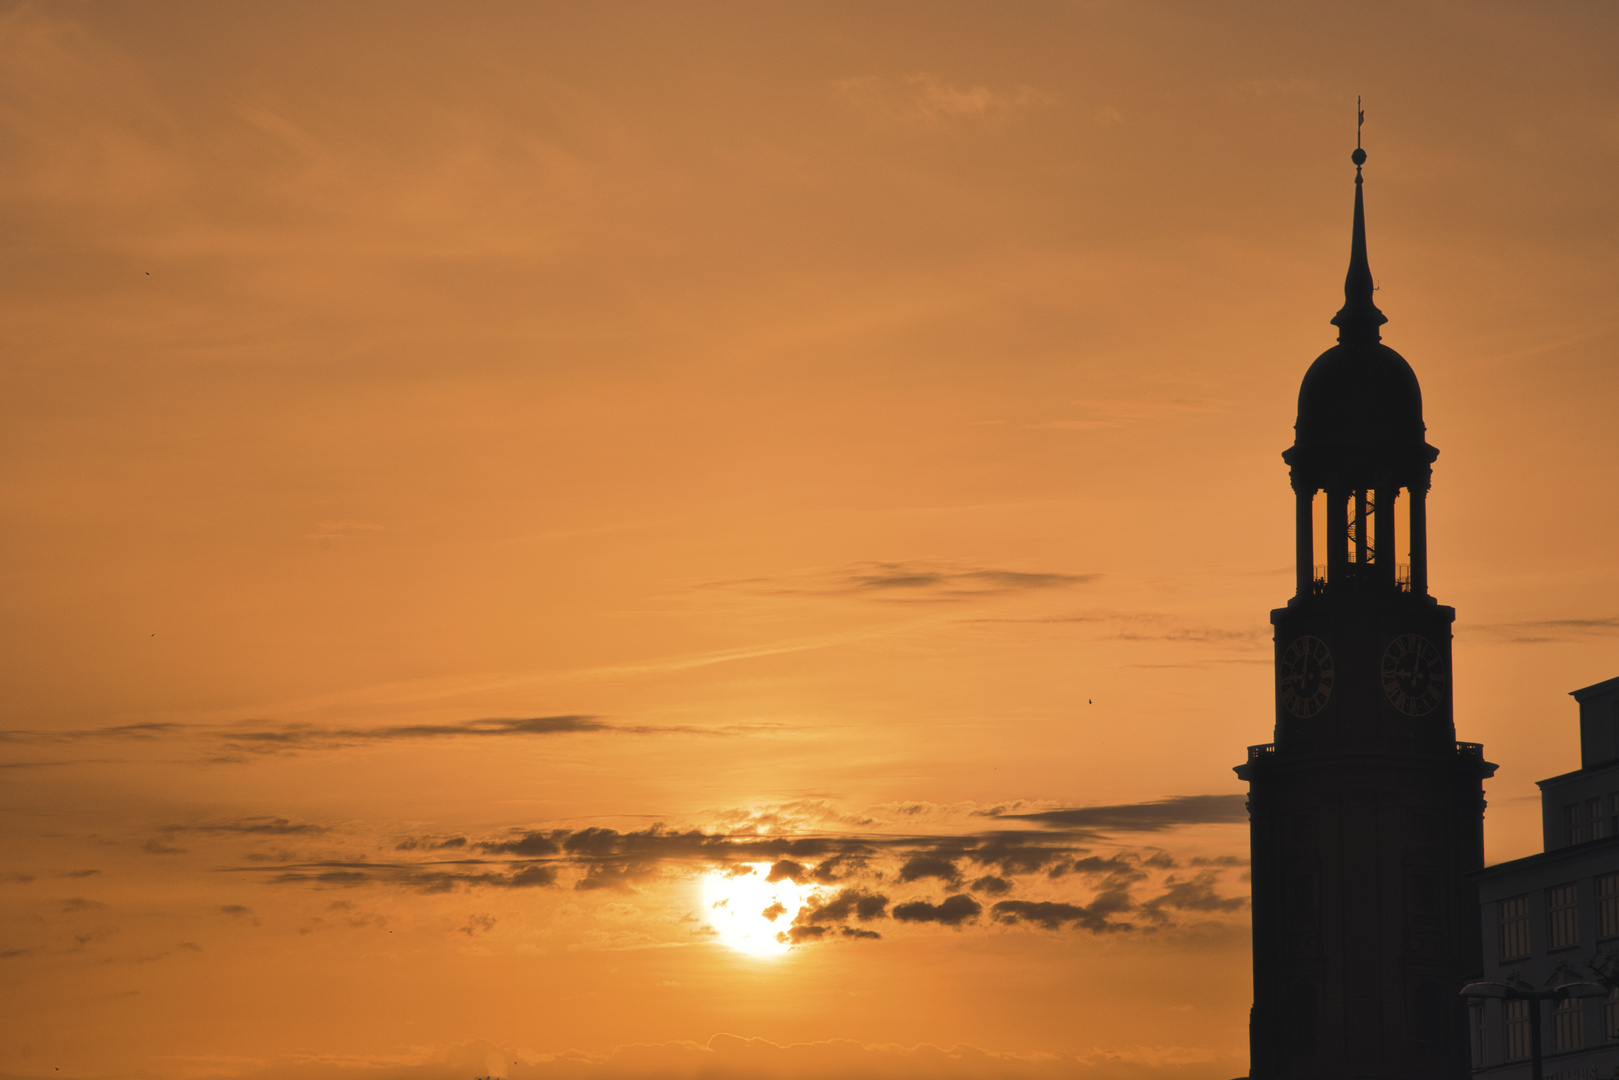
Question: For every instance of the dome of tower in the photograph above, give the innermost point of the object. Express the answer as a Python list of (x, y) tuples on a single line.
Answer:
[(1360, 407), (1359, 392)]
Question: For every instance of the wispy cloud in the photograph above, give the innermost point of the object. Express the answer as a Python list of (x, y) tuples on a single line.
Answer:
[(164, 842), (908, 581), (241, 742), (924, 100), (1543, 631), (1171, 813), (115, 732), (293, 737), (1143, 626)]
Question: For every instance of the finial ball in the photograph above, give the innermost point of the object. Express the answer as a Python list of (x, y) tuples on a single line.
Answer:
[(1358, 157)]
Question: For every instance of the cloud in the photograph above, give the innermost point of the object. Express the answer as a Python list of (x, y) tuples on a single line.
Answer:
[(257, 826), (529, 844), (478, 924), (800, 815), (916, 581), (242, 742), (853, 874), (294, 737), (953, 911), (1017, 852), (1144, 626), (1198, 894), (838, 867), (862, 905), (254, 826), (1543, 631), (437, 877), (1113, 871), (75, 904), (919, 867), (788, 870), (925, 101), (1052, 914), (444, 843), (117, 731), (1174, 812)]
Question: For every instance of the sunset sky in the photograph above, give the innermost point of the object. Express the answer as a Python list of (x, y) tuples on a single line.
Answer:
[(509, 508)]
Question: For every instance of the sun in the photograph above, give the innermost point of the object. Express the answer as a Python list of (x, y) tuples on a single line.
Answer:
[(751, 914)]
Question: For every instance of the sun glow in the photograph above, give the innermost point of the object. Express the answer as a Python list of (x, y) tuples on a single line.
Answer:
[(753, 915)]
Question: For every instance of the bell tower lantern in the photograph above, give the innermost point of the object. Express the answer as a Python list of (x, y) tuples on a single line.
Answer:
[(1360, 444), (1366, 814)]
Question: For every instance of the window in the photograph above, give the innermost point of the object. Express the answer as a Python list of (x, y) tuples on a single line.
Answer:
[(1574, 818), (1516, 1011), (1475, 1023), (1608, 906), (1610, 1016), (1599, 821), (1563, 916), (1515, 928), (1568, 1025)]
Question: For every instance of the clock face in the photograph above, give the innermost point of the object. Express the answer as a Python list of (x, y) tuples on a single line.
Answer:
[(1304, 676), (1414, 675)]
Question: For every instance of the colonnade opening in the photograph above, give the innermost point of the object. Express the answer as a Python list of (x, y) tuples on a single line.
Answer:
[(1352, 537)]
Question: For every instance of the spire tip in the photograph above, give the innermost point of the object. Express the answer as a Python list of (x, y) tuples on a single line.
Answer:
[(1359, 318)]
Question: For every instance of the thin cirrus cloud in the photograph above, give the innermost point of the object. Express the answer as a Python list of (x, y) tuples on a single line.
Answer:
[(238, 743), (1175, 812), (924, 101), (906, 581), (1143, 626), (164, 842), (1546, 631)]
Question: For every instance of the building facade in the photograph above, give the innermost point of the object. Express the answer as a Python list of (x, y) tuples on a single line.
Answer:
[(1366, 814), (1553, 918)]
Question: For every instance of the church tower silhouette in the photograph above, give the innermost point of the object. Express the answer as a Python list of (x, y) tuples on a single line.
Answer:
[(1365, 813)]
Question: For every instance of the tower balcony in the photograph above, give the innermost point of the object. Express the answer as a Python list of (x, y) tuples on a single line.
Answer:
[(1360, 575)]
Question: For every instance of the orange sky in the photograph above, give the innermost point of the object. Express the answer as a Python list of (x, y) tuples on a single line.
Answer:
[(484, 484)]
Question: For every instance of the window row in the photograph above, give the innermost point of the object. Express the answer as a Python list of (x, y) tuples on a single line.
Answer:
[(1592, 819), (1568, 1028), (1562, 918)]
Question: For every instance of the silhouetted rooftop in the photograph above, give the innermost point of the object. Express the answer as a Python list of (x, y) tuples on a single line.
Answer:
[(1360, 400)]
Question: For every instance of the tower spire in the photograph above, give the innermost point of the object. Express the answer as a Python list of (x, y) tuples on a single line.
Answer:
[(1359, 318)]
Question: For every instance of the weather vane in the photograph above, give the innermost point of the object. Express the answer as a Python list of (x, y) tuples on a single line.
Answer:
[(1359, 156)]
